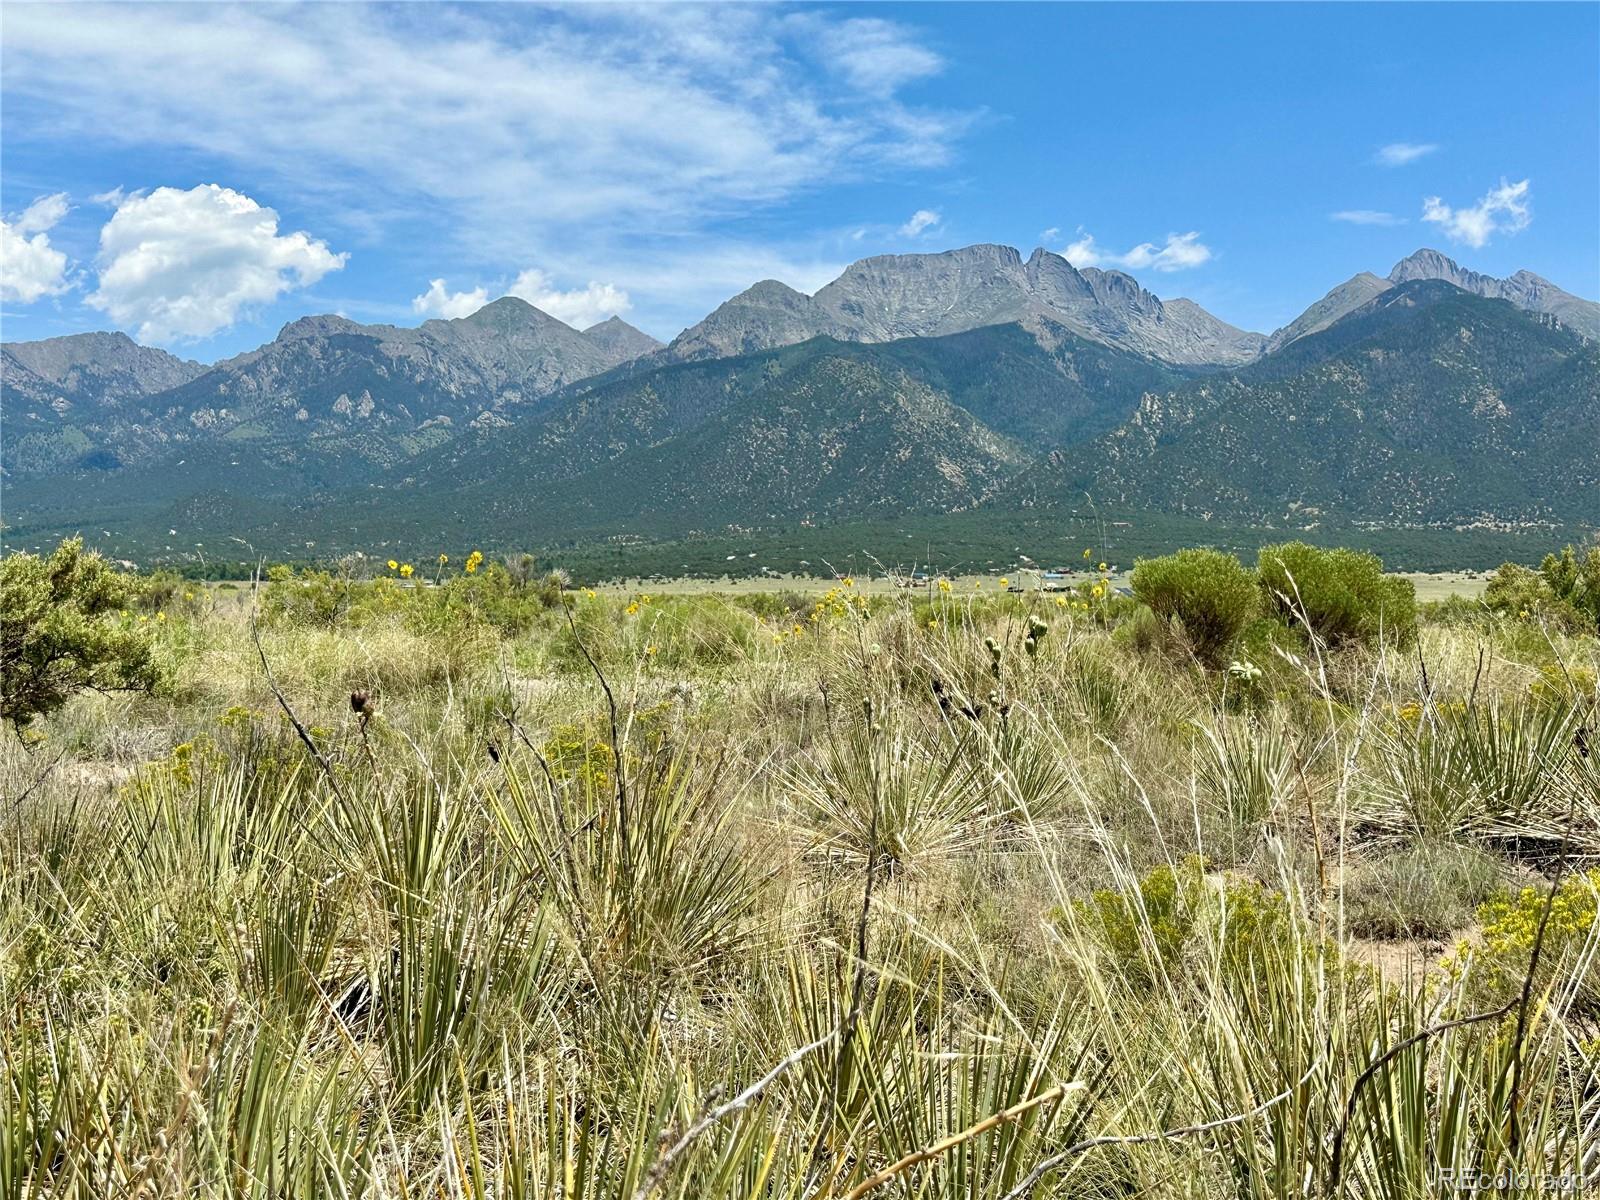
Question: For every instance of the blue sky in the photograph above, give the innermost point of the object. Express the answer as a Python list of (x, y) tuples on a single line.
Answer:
[(198, 175)]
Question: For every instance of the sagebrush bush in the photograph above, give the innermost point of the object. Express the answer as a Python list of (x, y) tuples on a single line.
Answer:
[(1426, 890), (1208, 593), (1338, 595), (64, 628)]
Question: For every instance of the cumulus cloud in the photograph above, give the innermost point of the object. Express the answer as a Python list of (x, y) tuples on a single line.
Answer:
[(1180, 252), (1503, 210), (30, 268), (438, 301), (1398, 154), (1366, 216), (921, 220), (183, 264), (1050, 235), (579, 308)]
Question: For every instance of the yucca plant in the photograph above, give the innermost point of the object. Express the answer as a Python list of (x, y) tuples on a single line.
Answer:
[(875, 793)]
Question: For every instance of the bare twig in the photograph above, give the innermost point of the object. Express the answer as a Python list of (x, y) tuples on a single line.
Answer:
[(616, 739), (658, 1171), (944, 1145), (1520, 1003), (22, 797), (1025, 1188), (283, 703)]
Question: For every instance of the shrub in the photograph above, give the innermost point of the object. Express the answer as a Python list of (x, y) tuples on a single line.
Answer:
[(1511, 923), (1208, 592), (1564, 592), (1148, 933), (1340, 595), (63, 630), (1425, 890)]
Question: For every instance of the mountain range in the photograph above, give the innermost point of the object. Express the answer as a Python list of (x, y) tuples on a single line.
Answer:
[(968, 381)]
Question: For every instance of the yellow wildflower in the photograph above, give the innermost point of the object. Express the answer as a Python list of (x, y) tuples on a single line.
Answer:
[(650, 649), (1087, 553), (161, 616), (1061, 602), (406, 570), (443, 558), (1004, 582), (632, 608), (933, 622), (474, 561), (848, 581), (944, 585), (1102, 567), (393, 566)]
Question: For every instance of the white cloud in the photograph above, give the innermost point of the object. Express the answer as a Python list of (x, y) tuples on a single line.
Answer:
[(1181, 252), (30, 268), (921, 220), (876, 56), (1503, 210), (43, 214), (568, 136), (184, 264), (1366, 216), (1398, 154), (579, 308), (438, 302), (1050, 235)]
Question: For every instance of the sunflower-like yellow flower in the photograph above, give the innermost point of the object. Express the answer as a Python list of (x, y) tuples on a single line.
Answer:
[(393, 566), (848, 581), (1004, 582), (406, 570), (651, 649), (474, 561), (443, 558), (1087, 553), (632, 608), (1102, 567)]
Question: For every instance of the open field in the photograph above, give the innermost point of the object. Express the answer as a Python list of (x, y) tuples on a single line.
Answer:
[(801, 890)]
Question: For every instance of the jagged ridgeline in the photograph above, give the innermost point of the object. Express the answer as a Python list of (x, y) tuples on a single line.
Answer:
[(926, 386)]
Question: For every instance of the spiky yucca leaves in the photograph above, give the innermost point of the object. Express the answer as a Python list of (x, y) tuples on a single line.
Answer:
[(878, 791), (436, 973), (1482, 772), (661, 892)]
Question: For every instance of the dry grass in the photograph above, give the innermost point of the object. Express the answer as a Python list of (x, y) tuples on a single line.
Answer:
[(809, 928)]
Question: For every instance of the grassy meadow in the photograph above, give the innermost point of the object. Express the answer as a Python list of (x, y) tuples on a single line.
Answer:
[(483, 885)]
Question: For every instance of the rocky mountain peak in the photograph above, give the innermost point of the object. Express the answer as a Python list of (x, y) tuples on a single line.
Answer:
[(619, 341), (1427, 264), (323, 325), (106, 362)]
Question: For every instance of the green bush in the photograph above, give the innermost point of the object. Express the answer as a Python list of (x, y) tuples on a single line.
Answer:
[(1340, 595), (64, 628), (1564, 592), (1206, 591), (1150, 933)]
